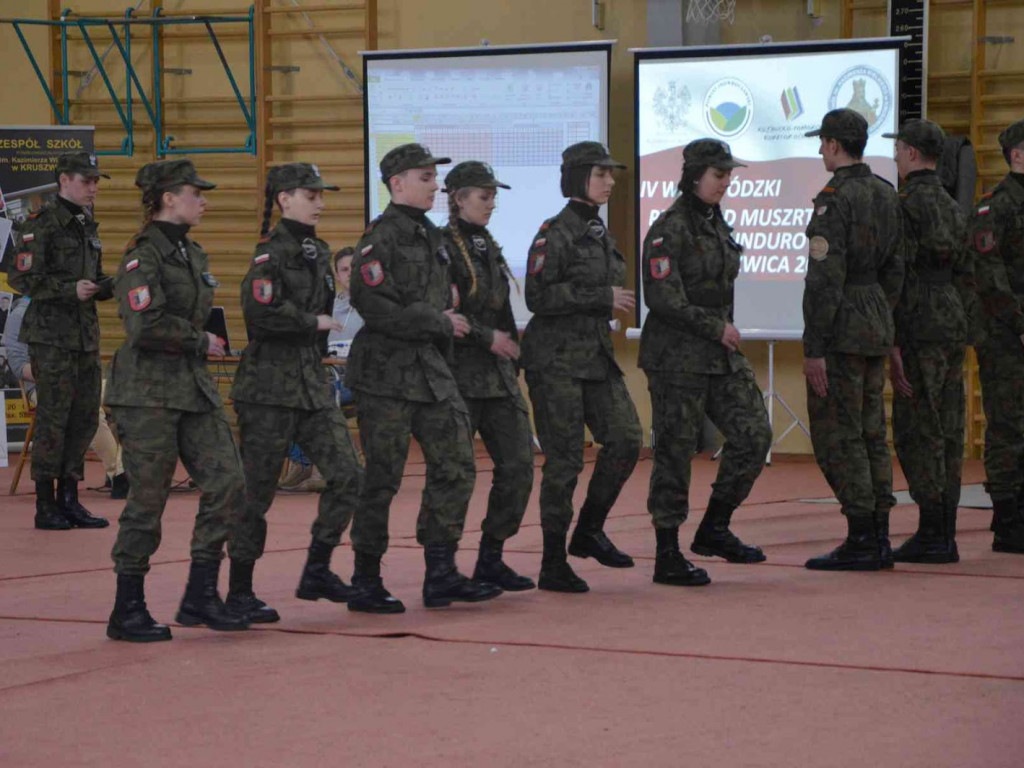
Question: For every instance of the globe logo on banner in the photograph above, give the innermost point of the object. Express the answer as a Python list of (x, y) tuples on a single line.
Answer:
[(728, 107), (865, 90)]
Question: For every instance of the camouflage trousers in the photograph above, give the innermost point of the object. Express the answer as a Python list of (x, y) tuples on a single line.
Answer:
[(266, 432), (152, 440), (928, 427), (562, 407), (68, 387), (679, 401), (443, 432), (504, 426), (848, 434), (1001, 370)]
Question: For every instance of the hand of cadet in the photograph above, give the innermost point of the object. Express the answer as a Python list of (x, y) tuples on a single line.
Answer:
[(623, 299), (503, 346), (817, 375), (897, 375), (327, 323), (730, 337), (216, 346), (460, 325), (86, 289)]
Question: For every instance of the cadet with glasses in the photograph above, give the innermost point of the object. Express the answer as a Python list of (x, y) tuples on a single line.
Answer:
[(574, 285), (282, 392), (166, 405), (486, 363)]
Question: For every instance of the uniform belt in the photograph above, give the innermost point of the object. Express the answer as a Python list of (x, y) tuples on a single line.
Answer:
[(935, 275), (861, 278)]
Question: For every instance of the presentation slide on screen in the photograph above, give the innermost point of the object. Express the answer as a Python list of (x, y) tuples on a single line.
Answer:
[(761, 100), (515, 110)]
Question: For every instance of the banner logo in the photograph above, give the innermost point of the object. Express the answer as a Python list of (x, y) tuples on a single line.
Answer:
[(671, 105), (792, 107), (865, 90), (728, 107)]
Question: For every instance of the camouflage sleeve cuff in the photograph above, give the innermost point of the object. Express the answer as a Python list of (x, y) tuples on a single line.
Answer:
[(202, 344), (813, 349)]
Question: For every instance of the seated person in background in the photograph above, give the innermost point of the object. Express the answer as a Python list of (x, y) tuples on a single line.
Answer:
[(103, 441), (338, 342)]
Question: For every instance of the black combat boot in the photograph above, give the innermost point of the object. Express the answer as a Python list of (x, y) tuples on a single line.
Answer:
[(670, 567), (556, 575), (370, 595), (1009, 522), (77, 515), (714, 539), (130, 620), (444, 584), (590, 540), (242, 600), (859, 552), (319, 581), (201, 603), (49, 516), (930, 543), (119, 486), (492, 569), (881, 519)]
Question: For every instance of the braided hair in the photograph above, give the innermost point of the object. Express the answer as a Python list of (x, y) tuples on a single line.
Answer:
[(153, 201), (268, 207), (460, 243)]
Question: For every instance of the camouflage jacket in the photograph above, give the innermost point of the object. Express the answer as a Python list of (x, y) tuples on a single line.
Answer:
[(282, 294), (401, 287), (938, 285), (573, 265), (997, 237), (854, 273), (54, 251), (690, 264), (479, 372), (164, 301)]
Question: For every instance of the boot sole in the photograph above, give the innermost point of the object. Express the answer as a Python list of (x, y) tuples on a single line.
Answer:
[(444, 602), (1008, 548), (104, 524), (188, 620), (699, 549), (680, 583), (308, 595), (849, 567), (400, 608), (53, 527), (928, 559), (563, 589), (603, 561), (116, 634)]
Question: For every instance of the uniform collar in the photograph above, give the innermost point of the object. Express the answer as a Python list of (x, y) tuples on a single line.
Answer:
[(574, 222), (853, 171), (405, 222), (926, 176), (163, 244), (1014, 187)]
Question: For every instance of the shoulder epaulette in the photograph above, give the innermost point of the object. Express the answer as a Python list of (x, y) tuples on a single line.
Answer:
[(264, 239), (370, 226), (34, 215)]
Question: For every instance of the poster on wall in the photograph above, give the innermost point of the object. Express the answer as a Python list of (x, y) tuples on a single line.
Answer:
[(28, 154)]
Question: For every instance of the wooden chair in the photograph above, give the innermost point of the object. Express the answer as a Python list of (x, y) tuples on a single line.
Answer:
[(27, 445)]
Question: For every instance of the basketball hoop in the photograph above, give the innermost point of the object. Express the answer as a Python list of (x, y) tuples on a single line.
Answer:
[(709, 11)]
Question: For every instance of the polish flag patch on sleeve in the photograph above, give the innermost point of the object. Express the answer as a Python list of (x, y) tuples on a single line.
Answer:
[(372, 271), (263, 291), (656, 242), (983, 211), (131, 265), (261, 258), (28, 237), (139, 298), (367, 250)]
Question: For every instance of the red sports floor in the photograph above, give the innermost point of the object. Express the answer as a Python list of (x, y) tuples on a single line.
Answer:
[(771, 665)]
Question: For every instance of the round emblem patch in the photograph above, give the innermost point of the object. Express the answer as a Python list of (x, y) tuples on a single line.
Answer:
[(819, 248)]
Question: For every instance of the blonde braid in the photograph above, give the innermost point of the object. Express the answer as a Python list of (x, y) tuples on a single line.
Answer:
[(460, 243)]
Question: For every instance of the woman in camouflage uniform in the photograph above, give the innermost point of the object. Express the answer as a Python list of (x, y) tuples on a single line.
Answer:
[(166, 404), (282, 392), (485, 363)]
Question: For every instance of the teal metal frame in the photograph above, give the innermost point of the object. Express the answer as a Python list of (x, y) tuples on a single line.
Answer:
[(133, 86)]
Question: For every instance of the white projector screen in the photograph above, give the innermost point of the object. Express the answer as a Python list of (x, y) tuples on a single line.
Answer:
[(516, 108), (761, 99)]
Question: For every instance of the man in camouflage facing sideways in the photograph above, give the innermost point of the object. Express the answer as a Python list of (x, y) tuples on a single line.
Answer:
[(854, 277), (398, 369), (58, 263), (926, 364), (997, 236)]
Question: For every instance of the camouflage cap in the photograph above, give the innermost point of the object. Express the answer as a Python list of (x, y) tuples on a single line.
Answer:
[(472, 173), (588, 153), (710, 152), (83, 163), (923, 135), (170, 173), (408, 156), (297, 176), (844, 124), (1012, 136)]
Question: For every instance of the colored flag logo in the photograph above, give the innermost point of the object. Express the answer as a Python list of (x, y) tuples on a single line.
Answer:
[(792, 107)]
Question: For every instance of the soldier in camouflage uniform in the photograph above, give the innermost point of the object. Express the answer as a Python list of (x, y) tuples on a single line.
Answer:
[(689, 349), (926, 364), (854, 277), (398, 369), (574, 284), (485, 363), (997, 237), (282, 392), (166, 405), (59, 264)]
